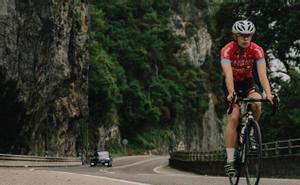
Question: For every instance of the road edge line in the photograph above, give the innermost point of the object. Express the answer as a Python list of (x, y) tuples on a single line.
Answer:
[(101, 177)]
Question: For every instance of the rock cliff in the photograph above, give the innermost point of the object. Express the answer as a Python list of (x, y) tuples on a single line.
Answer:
[(188, 22), (43, 68)]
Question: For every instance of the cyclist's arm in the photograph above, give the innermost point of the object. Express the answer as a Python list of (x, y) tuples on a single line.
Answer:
[(262, 75), (227, 71)]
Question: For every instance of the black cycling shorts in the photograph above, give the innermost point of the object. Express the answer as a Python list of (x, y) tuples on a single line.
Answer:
[(242, 88)]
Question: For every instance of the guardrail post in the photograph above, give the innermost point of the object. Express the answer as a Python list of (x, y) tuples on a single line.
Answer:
[(214, 156), (266, 152), (290, 146), (219, 154), (206, 156), (276, 149)]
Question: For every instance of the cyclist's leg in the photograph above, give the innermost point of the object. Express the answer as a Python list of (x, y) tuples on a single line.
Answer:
[(230, 140), (230, 129), (256, 106), (230, 135)]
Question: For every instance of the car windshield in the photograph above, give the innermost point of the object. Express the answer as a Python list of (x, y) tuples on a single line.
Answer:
[(103, 154)]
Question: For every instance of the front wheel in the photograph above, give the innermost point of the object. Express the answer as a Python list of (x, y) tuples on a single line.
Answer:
[(235, 179), (253, 153), (238, 155)]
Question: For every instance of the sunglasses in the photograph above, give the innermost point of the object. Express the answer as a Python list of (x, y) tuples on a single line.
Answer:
[(244, 35)]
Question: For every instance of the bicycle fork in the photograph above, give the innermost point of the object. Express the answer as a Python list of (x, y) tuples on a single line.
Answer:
[(248, 130)]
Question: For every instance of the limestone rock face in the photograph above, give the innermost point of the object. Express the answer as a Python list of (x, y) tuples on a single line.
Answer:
[(212, 129), (189, 25), (43, 51)]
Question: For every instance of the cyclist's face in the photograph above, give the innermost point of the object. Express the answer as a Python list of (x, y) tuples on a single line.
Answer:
[(244, 40)]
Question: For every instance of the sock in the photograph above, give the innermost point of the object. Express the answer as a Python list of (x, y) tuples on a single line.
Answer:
[(230, 154)]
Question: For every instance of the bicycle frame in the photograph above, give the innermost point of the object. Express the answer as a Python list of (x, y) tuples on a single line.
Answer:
[(246, 119), (243, 147)]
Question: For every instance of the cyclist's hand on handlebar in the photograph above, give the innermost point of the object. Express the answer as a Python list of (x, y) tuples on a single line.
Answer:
[(276, 100), (275, 104), (232, 98), (270, 97)]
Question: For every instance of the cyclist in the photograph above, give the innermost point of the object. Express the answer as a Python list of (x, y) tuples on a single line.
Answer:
[(237, 60)]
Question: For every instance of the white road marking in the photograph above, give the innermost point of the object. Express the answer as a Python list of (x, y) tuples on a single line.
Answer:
[(128, 157), (104, 178), (134, 164), (105, 171), (151, 174), (156, 170)]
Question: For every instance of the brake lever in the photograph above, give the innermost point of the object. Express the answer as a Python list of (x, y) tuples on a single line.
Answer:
[(275, 106)]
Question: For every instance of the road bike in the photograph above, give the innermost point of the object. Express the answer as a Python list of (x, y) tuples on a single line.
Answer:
[(248, 150)]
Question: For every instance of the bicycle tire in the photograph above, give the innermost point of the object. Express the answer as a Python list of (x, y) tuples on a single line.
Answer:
[(238, 159), (235, 180), (253, 157)]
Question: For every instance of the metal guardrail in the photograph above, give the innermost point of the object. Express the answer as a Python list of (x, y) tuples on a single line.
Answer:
[(281, 148), (7, 160), (198, 156)]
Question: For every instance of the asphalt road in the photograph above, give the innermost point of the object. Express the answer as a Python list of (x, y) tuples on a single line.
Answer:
[(154, 170)]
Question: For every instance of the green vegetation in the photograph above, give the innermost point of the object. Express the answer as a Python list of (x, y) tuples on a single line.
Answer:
[(134, 72), (286, 123), (136, 79)]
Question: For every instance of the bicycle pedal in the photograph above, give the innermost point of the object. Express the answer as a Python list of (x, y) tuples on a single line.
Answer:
[(230, 169), (231, 174)]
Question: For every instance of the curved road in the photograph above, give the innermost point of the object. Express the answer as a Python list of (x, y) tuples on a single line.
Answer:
[(154, 170)]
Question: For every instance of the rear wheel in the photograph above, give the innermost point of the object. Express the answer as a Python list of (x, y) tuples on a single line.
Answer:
[(253, 153)]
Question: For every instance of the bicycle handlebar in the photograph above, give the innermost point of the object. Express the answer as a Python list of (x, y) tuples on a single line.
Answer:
[(236, 99), (251, 100)]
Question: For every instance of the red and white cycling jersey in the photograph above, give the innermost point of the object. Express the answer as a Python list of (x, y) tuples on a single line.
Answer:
[(242, 59)]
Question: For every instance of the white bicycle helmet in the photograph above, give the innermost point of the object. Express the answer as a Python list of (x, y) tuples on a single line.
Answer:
[(243, 27)]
